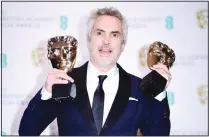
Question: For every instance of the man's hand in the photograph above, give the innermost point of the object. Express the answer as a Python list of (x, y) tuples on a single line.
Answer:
[(56, 76), (163, 70)]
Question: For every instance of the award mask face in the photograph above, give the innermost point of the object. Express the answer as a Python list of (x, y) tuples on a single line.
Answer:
[(160, 53), (62, 52)]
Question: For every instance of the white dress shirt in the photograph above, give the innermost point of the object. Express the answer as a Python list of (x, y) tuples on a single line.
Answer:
[(110, 87)]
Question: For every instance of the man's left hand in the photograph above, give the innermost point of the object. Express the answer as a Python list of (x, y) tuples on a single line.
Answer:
[(164, 71)]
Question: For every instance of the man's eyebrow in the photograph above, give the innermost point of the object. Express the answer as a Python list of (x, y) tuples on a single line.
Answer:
[(116, 32), (99, 30)]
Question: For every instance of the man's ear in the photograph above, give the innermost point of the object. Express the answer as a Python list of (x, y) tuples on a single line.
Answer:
[(122, 46)]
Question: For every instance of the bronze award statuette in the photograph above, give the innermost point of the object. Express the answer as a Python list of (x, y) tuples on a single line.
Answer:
[(62, 52), (153, 83)]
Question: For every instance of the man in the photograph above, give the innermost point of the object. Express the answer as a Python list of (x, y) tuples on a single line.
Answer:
[(118, 107)]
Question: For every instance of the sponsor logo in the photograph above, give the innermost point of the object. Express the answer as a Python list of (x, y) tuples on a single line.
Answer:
[(4, 60), (202, 92), (202, 18), (63, 22), (3, 133), (38, 55), (170, 96), (142, 54), (169, 22)]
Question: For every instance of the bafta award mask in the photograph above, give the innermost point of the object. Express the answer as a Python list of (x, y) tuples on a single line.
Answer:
[(153, 83), (160, 53), (62, 52)]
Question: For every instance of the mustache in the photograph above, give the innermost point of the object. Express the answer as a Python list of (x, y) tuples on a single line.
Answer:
[(107, 47)]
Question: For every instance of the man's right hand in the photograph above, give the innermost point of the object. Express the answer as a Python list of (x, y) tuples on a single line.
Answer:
[(56, 76)]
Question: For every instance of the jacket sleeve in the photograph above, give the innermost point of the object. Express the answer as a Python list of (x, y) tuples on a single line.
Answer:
[(155, 118), (37, 116)]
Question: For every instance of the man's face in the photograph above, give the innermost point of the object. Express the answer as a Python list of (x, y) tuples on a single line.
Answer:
[(105, 44)]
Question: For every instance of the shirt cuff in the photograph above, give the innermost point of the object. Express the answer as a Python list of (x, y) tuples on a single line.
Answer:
[(161, 96), (45, 95)]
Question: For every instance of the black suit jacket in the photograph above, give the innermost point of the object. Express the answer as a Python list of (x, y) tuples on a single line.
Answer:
[(74, 115)]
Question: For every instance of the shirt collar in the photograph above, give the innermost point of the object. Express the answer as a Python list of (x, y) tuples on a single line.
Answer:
[(94, 71)]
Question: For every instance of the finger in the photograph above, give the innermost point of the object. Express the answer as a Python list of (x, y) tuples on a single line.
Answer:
[(152, 68), (52, 74), (64, 76), (71, 80), (167, 76), (62, 71), (161, 66), (58, 71), (55, 70), (167, 84), (162, 73), (163, 69), (61, 74), (159, 69), (60, 81)]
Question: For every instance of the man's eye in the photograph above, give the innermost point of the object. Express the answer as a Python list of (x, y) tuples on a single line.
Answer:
[(99, 33), (115, 35)]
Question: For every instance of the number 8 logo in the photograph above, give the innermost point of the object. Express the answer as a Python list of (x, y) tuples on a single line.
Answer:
[(63, 22), (4, 60), (169, 22)]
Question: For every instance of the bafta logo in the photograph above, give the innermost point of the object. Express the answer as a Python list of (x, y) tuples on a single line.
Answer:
[(202, 18), (37, 56), (202, 92), (142, 54)]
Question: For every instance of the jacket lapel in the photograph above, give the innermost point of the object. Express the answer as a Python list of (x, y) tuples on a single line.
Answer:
[(120, 101), (82, 98), (83, 103)]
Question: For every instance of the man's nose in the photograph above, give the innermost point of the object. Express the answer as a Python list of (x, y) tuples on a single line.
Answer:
[(106, 39)]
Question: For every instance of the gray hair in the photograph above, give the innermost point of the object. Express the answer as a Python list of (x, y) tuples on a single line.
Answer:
[(110, 12)]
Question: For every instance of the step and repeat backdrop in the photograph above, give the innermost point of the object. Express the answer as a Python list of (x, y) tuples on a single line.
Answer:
[(26, 27)]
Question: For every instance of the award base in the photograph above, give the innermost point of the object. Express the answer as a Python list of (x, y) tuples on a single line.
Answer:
[(61, 91), (153, 84)]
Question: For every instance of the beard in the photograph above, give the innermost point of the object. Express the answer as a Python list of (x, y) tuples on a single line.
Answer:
[(105, 61)]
